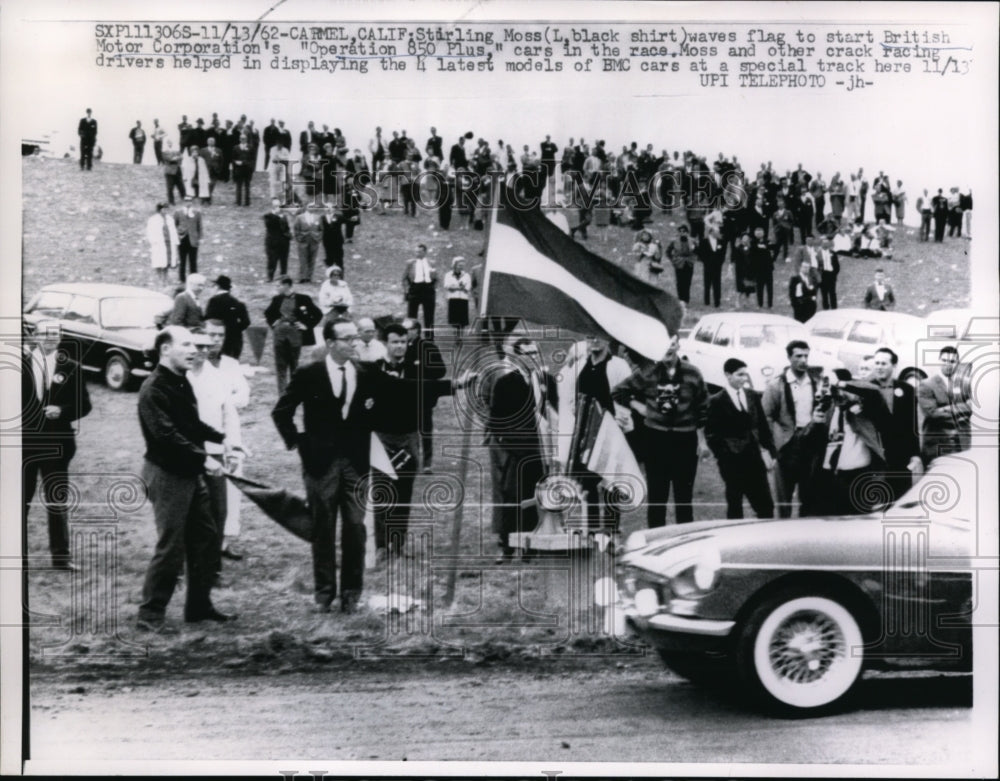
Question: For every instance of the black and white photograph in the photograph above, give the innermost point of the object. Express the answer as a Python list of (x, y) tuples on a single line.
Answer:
[(424, 389)]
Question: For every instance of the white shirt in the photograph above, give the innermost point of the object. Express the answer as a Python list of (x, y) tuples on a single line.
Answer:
[(371, 352), (802, 397), (349, 375), (421, 271), (854, 453), (215, 405), (880, 290), (43, 367), (739, 398), (239, 388)]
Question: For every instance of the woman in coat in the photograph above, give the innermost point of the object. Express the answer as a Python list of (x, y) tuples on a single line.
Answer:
[(161, 233)]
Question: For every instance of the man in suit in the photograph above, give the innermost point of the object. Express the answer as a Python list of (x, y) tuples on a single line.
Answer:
[(53, 396), (307, 137), (138, 138), (340, 402), (457, 158), (244, 159), (944, 401), (712, 253), (87, 131), (277, 240), (435, 145), (172, 172), (232, 312), (829, 268), (879, 294), (173, 470), (899, 432), (423, 361), (189, 234), (187, 308), (291, 317), (215, 163), (762, 267), (333, 237), (802, 292), (419, 282), (790, 406), (737, 433), (516, 395), (308, 232)]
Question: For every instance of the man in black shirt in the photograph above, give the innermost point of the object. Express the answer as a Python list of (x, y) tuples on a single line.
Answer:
[(175, 461), (232, 312)]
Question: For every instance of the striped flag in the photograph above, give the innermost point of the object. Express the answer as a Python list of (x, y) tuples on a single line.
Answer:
[(536, 272)]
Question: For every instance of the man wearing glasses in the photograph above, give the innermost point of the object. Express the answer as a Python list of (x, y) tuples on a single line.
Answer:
[(339, 401)]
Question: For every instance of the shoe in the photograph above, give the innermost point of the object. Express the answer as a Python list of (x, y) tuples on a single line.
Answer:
[(155, 625), (319, 607), (349, 602), (428, 470), (229, 553), (208, 615), (66, 566)]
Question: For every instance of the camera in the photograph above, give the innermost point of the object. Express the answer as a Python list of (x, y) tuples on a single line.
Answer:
[(666, 397)]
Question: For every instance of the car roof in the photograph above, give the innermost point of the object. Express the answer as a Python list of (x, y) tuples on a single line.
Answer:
[(868, 314), (102, 290), (740, 318)]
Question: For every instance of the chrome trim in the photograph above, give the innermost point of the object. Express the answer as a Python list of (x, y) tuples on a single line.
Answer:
[(691, 626)]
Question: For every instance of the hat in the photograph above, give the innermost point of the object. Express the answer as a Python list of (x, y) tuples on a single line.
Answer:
[(223, 282), (334, 270)]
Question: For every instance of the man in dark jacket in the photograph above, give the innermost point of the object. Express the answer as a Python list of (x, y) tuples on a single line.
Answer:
[(739, 437), (232, 312), (53, 396), (277, 240), (291, 317)]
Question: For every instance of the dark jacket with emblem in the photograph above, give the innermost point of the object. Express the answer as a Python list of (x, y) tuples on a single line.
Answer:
[(306, 312)]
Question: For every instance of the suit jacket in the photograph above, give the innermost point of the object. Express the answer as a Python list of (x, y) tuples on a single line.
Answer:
[(244, 160), (310, 232), (232, 312), (306, 312), (410, 272), (799, 292), (512, 421), (834, 262), (67, 390), (214, 161), (900, 435), (708, 256), (327, 434), (186, 312), (884, 305), (779, 407), (944, 411), (731, 432), (304, 140), (188, 226), (87, 129), (277, 231)]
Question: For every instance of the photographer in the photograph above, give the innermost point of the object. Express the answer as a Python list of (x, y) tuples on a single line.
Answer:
[(854, 460), (671, 396)]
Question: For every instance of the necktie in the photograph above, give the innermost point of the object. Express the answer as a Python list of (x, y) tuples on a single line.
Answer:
[(341, 394), (739, 401)]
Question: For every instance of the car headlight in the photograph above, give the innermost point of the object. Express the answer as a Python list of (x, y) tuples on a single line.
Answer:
[(647, 602), (697, 572)]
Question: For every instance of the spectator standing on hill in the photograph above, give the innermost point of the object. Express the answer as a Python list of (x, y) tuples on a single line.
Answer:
[(87, 132), (159, 135), (172, 172), (161, 233), (879, 294), (291, 317), (138, 138), (682, 253), (189, 234), (420, 280)]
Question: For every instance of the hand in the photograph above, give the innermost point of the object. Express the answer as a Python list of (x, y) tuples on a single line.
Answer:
[(52, 411), (768, 460), (703, 449), (213, 467), (818, 416), (916, 466)]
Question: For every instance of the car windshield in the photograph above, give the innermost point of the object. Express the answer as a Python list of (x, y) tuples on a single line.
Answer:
[(131, 312), (771, 334)]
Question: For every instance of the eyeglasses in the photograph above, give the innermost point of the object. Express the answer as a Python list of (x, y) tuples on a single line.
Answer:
[(354, 338)]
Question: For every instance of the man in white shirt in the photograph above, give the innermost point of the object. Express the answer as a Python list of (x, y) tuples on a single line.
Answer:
[(370, 349), (419, 283), (230, 375), (216, 408)]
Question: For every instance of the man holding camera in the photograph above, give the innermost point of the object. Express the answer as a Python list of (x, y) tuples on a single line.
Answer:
[(790, 406), (671, 395)]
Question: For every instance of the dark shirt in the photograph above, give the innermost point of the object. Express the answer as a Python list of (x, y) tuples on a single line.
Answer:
[(168, 416), (592, 381), (646, 385)]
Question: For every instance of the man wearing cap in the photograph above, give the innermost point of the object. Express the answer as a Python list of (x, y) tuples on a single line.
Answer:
[(175, 463), (187, 309), (419, 283), (739, 437), (308, 232), (291, 317), (189, 233), (53, 396), (87, 131), (232, 312)]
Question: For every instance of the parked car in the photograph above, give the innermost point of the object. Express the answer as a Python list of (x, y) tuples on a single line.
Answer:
[(793, 611), (111, 327), (850, 334), (758, 338)]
